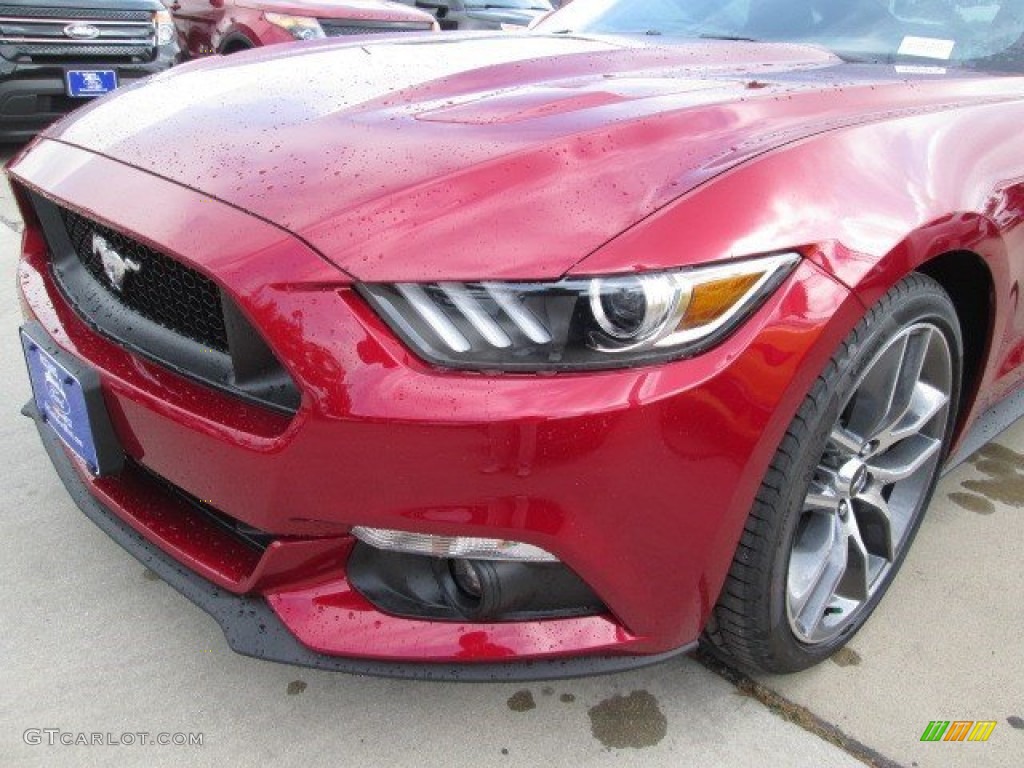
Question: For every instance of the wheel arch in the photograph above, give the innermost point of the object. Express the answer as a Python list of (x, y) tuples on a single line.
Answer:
[(967, 253), (966, 277), (233, 42)]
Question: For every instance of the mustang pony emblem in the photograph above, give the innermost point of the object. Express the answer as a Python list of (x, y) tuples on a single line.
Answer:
[(115, 266)]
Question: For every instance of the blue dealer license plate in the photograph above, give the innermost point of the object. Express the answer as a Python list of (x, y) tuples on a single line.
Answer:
[(86, 83), (67, 395)]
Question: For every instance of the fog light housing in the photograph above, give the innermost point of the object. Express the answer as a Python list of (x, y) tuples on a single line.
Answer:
[(483, 590), (467, 577), (419, 586), (453, 547)]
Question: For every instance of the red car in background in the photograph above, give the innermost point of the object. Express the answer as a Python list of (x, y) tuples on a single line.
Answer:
[(536, 354), (228, 26)]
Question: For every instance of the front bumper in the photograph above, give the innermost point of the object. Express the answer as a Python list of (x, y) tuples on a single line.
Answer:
[(639, 480), (251, 628), (32, 96)]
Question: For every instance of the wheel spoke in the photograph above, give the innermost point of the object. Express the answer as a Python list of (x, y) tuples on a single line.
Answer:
[(815, 569), (925, 404), (809, 559), (848, 443), (907, 379), (873, 398), (904, 459), (808, 607), (876, 525), (821, 500), (855, 583)]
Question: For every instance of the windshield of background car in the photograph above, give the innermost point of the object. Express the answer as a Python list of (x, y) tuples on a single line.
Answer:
[(980, 34), (526, 5)]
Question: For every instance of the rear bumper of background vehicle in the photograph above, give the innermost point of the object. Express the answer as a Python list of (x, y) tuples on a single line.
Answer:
[(638, 480)]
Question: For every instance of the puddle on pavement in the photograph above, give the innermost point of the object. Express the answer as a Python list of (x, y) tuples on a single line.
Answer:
[(1003, 482), (973, 503), (521, 701), (628, 722), (846, 657)]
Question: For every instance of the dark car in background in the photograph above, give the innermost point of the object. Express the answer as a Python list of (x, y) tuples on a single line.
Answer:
[(57, 54), (227, 26), (484, 14)]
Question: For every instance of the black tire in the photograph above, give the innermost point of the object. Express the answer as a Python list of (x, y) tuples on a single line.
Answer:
[(752, 624), (235, 45)]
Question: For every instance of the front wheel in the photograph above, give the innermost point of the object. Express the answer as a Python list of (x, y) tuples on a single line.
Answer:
[(847, 488)]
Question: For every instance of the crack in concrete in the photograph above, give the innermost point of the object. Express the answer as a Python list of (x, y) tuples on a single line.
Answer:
[(795, 713)]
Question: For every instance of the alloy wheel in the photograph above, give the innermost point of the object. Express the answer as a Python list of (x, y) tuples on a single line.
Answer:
[(870, 484)]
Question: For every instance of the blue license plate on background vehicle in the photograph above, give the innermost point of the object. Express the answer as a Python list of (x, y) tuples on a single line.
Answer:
[(67, 396), (85, 83)]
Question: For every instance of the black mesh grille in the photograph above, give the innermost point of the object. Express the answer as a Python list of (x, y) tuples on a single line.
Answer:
[(38, 50), (160, 309), (28, 34), (161, 289), (30, 12), (343, 29)]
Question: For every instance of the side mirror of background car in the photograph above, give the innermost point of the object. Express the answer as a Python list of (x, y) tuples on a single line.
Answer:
[(436, 6), (440, 9)]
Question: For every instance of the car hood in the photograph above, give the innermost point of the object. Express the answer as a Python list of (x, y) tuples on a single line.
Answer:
[(364, 10), (499, 156)]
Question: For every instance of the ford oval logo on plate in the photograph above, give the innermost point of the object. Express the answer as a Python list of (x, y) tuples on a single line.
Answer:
[(81, 31)]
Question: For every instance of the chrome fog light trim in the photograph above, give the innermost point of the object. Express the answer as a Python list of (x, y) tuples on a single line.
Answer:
[(459, 547)]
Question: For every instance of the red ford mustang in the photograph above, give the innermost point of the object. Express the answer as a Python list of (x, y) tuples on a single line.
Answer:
[(542, 354)]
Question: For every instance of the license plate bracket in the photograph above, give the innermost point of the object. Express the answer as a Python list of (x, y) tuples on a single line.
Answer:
[(68, 398)]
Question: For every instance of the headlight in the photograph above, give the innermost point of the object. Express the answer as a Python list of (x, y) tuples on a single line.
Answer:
[(164, 27), (299, 27), (578, 323)]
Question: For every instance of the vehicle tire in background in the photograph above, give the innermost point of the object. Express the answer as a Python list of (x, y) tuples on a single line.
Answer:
[(235, 45)]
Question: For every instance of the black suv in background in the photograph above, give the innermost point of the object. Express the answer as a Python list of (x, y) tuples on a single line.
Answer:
[(483, 14), (57, 54)]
